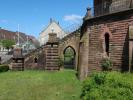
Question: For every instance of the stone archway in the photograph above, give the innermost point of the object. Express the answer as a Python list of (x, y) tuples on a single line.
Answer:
[(69, 57), (72, 40)]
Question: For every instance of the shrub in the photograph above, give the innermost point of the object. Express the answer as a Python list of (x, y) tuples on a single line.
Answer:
[(60, 62), (108, 86), (106, 64), (99, 78), (4, 68)]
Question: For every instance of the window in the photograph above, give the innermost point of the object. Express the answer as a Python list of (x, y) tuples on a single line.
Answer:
[(35, 60), (107, 43)]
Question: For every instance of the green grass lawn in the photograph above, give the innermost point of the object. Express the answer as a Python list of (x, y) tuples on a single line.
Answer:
[(39, 85)]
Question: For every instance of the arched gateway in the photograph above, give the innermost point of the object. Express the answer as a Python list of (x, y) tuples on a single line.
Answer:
[(69, 57)]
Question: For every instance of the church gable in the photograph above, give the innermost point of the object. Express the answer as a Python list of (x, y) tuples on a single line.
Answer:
[(53, 27)]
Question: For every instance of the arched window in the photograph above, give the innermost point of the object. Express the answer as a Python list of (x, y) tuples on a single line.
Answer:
[(107, 43), (35, 60)]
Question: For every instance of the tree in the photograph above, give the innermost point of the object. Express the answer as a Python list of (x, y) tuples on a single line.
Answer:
[(8, 44)]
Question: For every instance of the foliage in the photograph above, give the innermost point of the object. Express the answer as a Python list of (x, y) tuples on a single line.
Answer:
[(39, 85), (69, 51), (108, 86), (8, 43), (99, 78), (106, 64), (0, 42), (60, 62), (4, 68)]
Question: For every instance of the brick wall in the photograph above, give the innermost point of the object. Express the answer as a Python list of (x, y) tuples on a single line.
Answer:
[(117, 26)]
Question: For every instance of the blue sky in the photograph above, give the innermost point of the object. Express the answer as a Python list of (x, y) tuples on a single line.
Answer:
[(33, 15)]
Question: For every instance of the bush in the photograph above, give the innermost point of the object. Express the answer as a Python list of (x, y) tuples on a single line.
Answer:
[(99, 78), (108, 86), (4, 68), (106, 64), (60, 62)]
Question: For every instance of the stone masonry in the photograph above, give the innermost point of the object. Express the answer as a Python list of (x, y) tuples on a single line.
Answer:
[(51, 51), (116, 25)]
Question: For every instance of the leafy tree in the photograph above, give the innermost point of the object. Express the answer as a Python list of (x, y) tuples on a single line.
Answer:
[(8, 44)]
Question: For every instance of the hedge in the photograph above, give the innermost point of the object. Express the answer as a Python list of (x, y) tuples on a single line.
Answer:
[(4, 68)]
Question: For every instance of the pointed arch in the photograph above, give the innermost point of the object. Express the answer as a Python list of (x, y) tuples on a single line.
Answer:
[(69, 57), (71, 48), (106, 36), (107, 42), (105, 30)]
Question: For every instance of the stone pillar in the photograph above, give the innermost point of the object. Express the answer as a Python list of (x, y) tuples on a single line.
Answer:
[(51, 52), (52, 38), (130, 48), (83, 56), (88, 13), (17, 60)]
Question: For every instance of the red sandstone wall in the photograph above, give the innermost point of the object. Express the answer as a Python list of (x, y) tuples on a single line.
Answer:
[(118, 43)]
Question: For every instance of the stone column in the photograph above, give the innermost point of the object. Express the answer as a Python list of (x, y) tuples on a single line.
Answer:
[(83, 56), (17, 60), (130, 48), (51, 52)]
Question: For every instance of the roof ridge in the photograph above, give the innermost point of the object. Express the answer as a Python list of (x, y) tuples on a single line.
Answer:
[(50, 24)]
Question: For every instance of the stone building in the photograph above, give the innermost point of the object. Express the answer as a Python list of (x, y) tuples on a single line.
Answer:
[(52, 27), (105, 33)]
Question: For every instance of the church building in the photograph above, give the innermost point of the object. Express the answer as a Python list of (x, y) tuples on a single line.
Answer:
[(53, 27), (108, 28)]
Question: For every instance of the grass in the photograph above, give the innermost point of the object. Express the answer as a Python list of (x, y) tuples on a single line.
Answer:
[(39, 85)]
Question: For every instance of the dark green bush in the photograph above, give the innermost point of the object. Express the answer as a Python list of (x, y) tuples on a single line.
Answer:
[(4, 68), (108, 86), (99, 78)]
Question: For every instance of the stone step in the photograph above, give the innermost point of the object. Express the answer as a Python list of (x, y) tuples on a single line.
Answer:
[(17, 67), (56, 49), (55, 57), (49, 47), (52, 60), (52, 51), (52, 56), (51, 63), (52, 68)]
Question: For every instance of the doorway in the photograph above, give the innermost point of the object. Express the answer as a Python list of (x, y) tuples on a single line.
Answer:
[(69, 58)]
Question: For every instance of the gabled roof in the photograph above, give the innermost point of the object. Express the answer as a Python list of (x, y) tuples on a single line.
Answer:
[(51, 22)]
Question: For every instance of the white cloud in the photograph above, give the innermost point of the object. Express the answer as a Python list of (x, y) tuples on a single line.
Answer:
[(73, 18)]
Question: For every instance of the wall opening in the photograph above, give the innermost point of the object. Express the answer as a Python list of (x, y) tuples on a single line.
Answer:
[(69, 58), (35, 60), (107, 39)]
